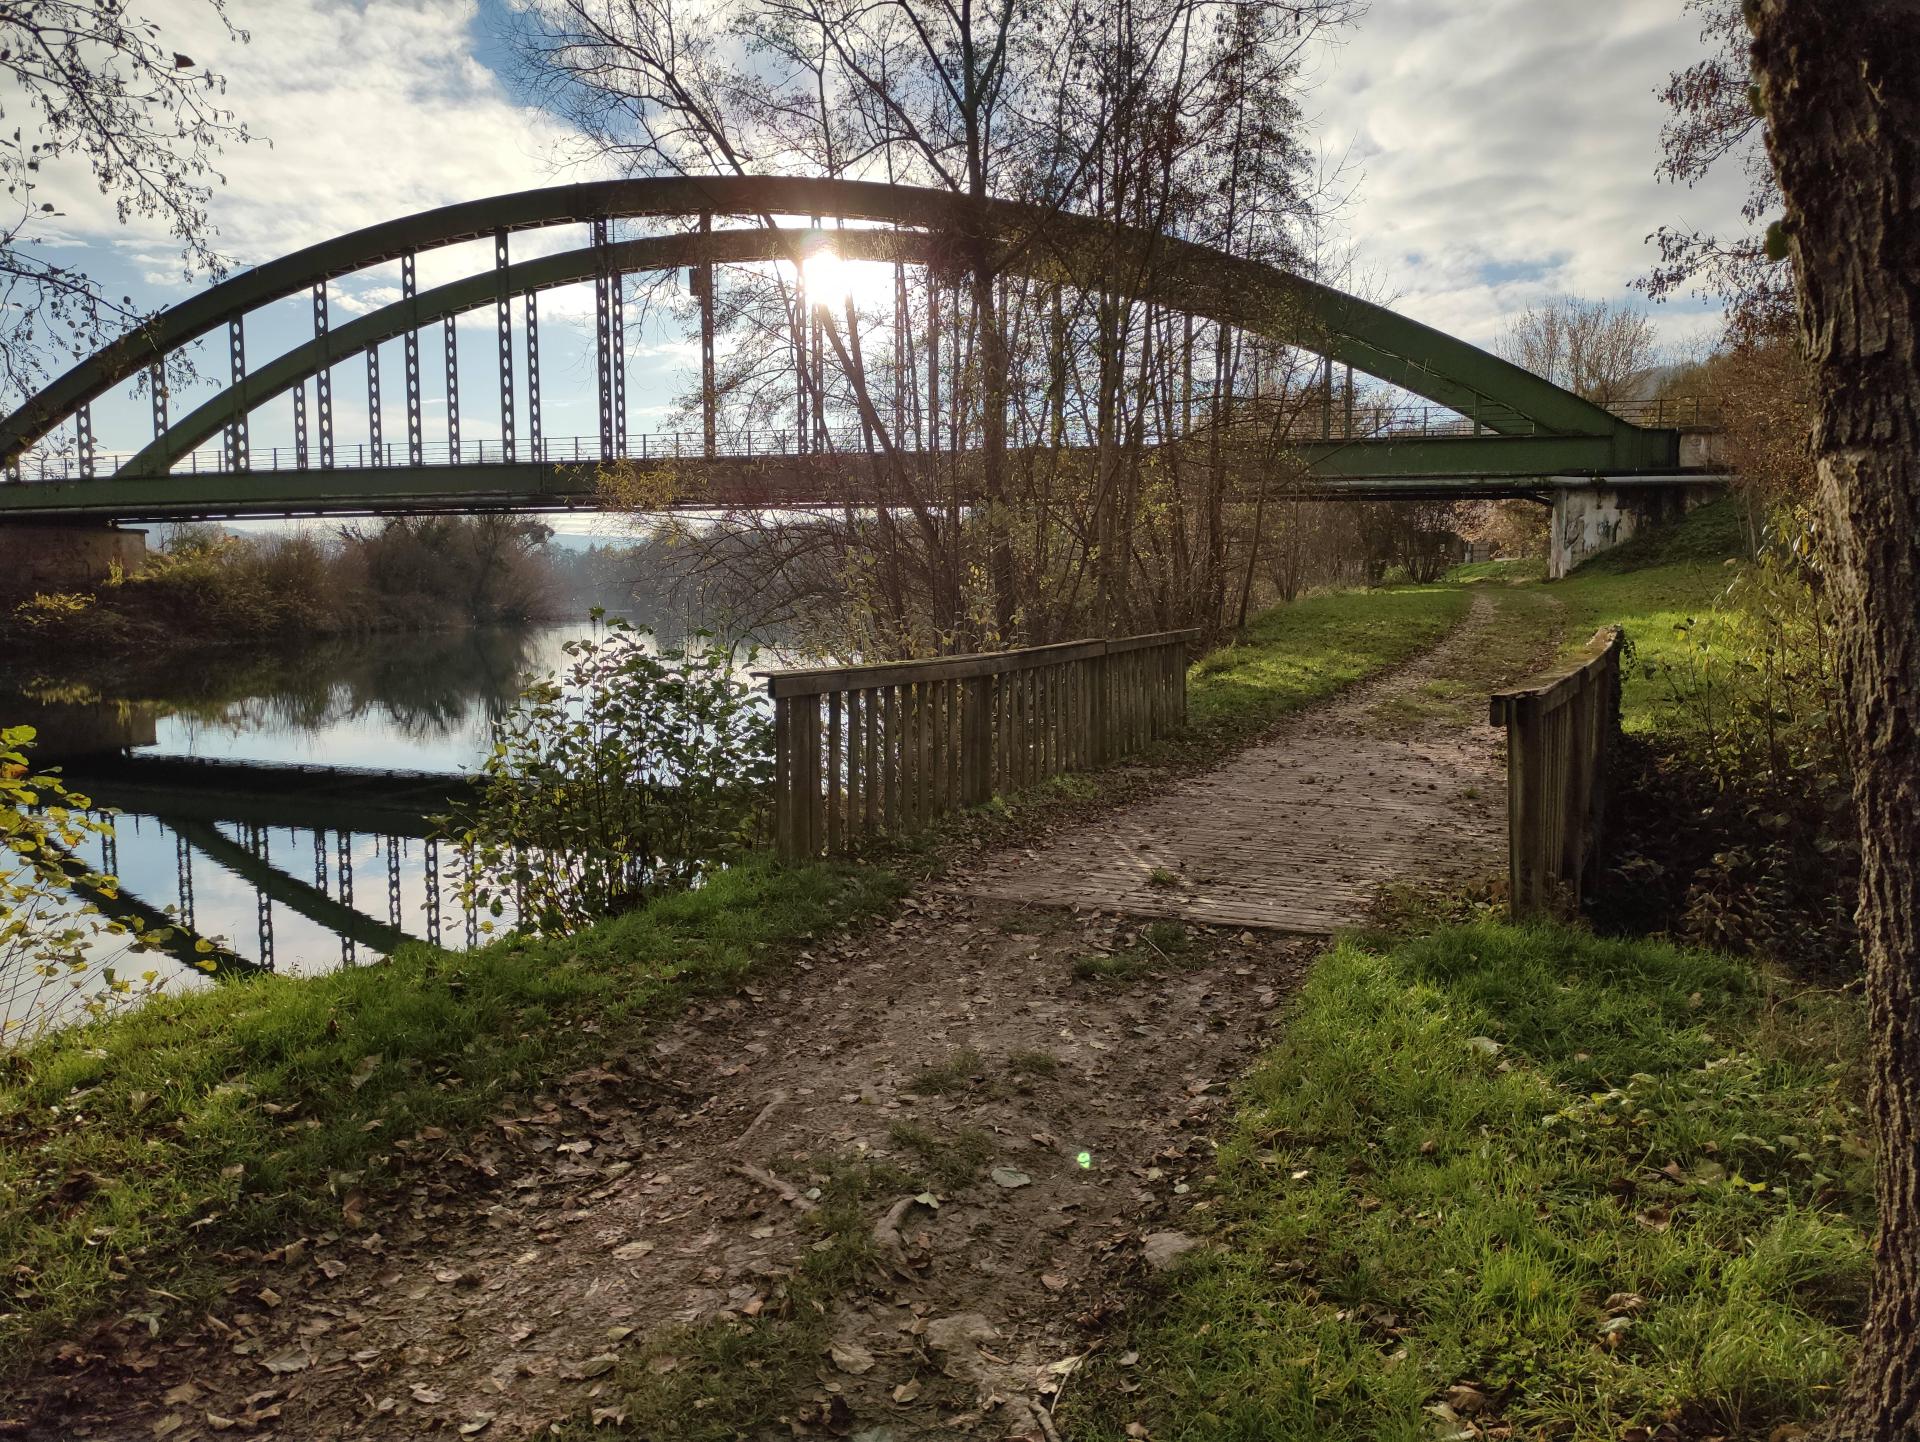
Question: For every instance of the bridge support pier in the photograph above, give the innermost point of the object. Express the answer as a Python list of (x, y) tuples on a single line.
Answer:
[(1591, 515), (36, 558)]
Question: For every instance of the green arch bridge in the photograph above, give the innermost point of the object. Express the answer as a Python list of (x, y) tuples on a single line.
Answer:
[(1480, 427)]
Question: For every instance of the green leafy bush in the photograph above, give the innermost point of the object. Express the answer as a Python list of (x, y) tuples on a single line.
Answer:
[(59, 950), (636, 772)]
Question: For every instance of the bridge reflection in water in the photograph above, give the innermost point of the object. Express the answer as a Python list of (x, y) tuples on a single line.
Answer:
[(228, 832)]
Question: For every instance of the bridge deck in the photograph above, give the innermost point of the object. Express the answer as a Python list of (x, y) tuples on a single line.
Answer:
[(1299, 833)]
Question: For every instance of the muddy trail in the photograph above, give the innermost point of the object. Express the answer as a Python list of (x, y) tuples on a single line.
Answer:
[(1013, 1100)]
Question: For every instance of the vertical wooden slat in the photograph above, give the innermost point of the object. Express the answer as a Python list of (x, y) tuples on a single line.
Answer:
[(909, 757), (876, 767), (807, 769), (923, 753), (890, 749), (782, 779), (1029, 772), (949, 798), (856, 769), (1053, 722), (836, 833)]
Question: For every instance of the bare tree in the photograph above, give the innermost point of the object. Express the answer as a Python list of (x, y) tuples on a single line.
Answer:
[(1592, 348), (1840, 90), (1053, 452), (96, 85)]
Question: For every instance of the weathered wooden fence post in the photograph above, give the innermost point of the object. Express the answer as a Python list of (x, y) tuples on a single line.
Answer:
[(1560, 730)]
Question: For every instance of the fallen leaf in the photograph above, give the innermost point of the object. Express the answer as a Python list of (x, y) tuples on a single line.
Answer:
[(1010, 1177), (906, 1392), (478, 1424), (1163, 1249), (363, 1073), (631, 1251), (428, 1396), (851, 1357)]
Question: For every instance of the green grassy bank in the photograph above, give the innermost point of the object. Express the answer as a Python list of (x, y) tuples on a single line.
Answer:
[(1656, 586), (1292, 656), (133, 1149), (239, 1115), (1522, 1179)]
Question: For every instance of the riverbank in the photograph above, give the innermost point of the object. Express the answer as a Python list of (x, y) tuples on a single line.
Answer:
[(199, 1073), (923, 1171), (208, 587)]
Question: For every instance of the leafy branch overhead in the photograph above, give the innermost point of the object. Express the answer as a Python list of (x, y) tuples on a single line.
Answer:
[(92, 86)]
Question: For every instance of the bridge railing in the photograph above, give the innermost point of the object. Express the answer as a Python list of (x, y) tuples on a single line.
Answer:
[(866, 751), (1248, 415), (1560, 729)]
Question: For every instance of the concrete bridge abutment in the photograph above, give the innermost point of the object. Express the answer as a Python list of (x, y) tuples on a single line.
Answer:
[(38, 558), (1592, 515)]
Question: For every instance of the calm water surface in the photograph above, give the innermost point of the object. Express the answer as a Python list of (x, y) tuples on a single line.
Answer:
[(301, 871)]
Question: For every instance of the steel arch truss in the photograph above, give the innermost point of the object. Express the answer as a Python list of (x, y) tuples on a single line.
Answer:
[(1535, 428)]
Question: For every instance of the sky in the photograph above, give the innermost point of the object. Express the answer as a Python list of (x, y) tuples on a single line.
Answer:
[(1493, 153)]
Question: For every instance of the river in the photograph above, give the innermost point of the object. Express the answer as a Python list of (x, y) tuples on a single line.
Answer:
[(257, 805)]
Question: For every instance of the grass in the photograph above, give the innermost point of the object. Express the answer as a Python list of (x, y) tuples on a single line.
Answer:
[(1033, 1064), (1598, 1185), (1154, 949), (1514, 569), (952, 1073), (238, 1116), (1528, 625), (946, 1161), (1293, 656), (1653, 585)]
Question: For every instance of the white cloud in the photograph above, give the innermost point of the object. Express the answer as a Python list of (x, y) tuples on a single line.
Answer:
[(1507, 150), (362, 113)]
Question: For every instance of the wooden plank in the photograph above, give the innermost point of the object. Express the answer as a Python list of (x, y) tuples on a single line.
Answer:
[(836, 834), (856, 742), (819, 681), (890, 753), (783, 780), (876, 767)]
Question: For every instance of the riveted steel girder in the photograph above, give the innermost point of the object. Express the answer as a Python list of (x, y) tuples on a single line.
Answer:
[(1015, 237), (1442, 467)]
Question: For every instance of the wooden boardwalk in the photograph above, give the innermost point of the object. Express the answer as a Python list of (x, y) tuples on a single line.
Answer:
[(1300, 832)]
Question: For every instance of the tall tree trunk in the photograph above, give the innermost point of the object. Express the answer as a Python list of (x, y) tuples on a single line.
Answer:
[(1840, 84)]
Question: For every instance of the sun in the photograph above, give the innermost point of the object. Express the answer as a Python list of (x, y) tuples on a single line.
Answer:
[(828, 281)]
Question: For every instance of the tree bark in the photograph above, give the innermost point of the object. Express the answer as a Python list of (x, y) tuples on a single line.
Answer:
[(1840, 85)]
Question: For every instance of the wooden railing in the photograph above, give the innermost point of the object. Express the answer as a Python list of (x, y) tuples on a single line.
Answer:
[(864, 751), (1560, 730)]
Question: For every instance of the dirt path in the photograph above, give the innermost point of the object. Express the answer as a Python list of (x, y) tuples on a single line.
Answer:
[(1297, 834), (1057, 1119)]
